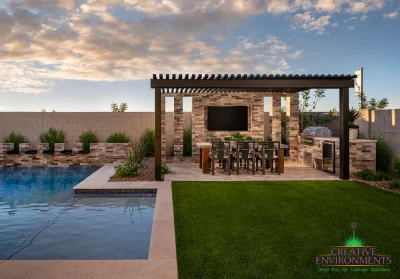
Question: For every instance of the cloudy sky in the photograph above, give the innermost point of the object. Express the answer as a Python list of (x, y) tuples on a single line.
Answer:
[(81, 55)]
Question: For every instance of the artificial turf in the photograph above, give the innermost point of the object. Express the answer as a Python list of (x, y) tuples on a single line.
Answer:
[(277, 229)]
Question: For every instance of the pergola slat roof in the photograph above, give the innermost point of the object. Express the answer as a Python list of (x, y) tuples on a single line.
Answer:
[(250, 77), (217, 83)]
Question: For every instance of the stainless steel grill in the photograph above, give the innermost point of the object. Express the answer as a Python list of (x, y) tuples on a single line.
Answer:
[(311, 132)]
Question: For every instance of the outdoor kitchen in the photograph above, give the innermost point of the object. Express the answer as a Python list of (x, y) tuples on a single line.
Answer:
[(317, 148)]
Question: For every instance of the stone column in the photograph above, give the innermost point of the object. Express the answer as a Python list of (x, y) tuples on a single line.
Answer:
[(292, 111), (275, 112), (178, 126), (257, 114), (163, 136)]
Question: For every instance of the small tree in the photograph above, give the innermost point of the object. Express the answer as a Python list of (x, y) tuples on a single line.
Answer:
[(121, 108), (372, 103), (306, 107)]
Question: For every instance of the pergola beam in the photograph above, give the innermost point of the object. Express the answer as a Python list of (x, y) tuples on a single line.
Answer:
[(253, 83)]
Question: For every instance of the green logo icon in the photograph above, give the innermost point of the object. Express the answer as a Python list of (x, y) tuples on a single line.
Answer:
[(353, 240)]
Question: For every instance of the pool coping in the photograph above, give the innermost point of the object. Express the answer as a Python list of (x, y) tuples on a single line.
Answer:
[(161, 262)]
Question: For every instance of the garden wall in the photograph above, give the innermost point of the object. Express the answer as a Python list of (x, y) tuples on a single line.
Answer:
[(382, 122), (100, 153), (32, 124)]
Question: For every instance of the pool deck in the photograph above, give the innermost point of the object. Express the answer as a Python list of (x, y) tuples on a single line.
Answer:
[(161, 262)]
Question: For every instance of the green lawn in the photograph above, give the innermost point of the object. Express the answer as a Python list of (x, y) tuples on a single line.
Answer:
[(276, 229)]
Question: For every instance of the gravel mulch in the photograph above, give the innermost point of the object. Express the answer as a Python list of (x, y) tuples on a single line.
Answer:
[(384, 185), (146, 173)]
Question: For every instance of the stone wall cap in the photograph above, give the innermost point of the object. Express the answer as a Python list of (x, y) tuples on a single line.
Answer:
[(352, 141)]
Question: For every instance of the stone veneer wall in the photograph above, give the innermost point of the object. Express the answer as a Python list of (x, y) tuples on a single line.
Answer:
[(362, 154), (200, 102), (100, 153)]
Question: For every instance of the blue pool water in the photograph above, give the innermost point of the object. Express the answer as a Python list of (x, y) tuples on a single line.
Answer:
[(41, 219)]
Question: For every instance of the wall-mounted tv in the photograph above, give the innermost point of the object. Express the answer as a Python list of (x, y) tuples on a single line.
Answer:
[(227, 118)]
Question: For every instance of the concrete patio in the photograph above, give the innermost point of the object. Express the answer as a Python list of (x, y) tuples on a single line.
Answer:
[(293, 171)]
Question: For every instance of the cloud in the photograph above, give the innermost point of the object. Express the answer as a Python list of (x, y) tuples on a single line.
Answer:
[(92, 43), (391, 15), (351, 27), (334, 25), (45, 40), (277, 6), (366, 6), (24, 77), (295, 55), (364, 18), (328, 5), (309, 22)]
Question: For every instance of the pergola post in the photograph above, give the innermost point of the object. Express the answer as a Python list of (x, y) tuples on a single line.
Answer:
[(157, 126), (344, 133)]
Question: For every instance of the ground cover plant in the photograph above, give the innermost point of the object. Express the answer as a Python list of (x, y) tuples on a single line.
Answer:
[(371, 175), (52, 136), (275, 229), (16, 139)]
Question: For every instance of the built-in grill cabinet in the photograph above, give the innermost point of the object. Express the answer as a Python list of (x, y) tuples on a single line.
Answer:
[(310, 133), (328, 156)]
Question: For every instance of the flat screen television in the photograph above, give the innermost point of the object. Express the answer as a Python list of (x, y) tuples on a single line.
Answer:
[(227, 118)]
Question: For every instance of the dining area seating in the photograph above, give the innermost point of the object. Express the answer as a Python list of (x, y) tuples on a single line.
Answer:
[(251, 156)]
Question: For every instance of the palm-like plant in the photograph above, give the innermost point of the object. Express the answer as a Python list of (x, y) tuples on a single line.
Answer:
[(354, 114)]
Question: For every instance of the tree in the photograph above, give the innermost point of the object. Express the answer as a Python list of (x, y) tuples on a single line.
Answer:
[(122, 107), (372, 103)]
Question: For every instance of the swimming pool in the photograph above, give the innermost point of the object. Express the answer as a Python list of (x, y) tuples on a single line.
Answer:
[(41, 219)]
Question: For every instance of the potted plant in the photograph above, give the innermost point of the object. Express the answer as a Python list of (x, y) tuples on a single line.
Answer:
[(354, 114)]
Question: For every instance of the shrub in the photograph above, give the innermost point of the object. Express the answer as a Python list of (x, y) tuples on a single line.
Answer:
[(238, 137), (147, 139), (165, 169), (118, 137), (136, 152), (383, 153), (395, 183), (187, 142), (127, 169), (16, 139), (371, 175), (52, 136), (396, 166), (87, 138)]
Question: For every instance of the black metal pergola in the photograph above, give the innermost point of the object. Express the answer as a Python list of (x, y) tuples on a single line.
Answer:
[(190, 85)]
